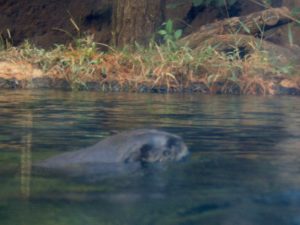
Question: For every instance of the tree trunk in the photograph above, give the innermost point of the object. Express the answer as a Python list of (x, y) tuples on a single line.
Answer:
[(136, 20)]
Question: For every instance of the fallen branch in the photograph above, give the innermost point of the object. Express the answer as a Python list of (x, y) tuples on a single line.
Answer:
[(254, 24)]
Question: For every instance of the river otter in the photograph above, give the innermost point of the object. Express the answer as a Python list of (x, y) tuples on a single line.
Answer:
[(130, 147)]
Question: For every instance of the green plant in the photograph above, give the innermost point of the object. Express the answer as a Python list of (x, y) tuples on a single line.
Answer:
[(6, 40), (296, 14), (2, 43), (169, 35)]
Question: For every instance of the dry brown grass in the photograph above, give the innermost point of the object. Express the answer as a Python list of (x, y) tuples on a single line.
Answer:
[(153, 67)]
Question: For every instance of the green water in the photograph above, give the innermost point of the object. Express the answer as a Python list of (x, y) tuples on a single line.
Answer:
[(244, 166)]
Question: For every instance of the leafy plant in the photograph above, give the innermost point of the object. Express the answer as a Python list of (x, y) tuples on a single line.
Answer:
[(169, 35)]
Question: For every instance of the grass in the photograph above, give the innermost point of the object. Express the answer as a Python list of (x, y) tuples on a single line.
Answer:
[(168, 66)]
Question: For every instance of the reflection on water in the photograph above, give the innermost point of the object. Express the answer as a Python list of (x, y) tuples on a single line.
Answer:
[(25, 165), (244, 167)]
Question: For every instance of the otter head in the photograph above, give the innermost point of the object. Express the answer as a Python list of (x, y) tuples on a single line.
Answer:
[(163, 148)]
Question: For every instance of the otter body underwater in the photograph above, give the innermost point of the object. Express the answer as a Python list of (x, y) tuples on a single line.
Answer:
[(126, 149)]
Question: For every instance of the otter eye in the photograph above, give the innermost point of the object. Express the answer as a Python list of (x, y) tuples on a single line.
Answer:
[(145, 151), (171, 142)]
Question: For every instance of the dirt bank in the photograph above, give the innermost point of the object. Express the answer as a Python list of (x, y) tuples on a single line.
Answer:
[(158, 70), (80, 65)]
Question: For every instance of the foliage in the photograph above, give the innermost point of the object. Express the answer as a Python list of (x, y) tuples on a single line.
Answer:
[(6, 40), (296, 15), (169, 35), (168, 66), (76, 63), (154, 67)]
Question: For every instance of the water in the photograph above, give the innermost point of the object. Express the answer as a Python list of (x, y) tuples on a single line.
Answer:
[(244, 166)]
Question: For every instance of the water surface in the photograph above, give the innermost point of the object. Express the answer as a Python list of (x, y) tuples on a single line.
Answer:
[(244, 166)]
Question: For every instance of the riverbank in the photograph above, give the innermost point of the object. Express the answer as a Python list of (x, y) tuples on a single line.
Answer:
[(160, 69)]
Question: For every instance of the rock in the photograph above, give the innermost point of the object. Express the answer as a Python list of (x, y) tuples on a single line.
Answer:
[(288, 84), (41, 82), (19, 70)]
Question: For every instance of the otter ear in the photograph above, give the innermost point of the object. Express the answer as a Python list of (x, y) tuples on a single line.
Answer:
[(133, 157), (145, 152), (142, 155)]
